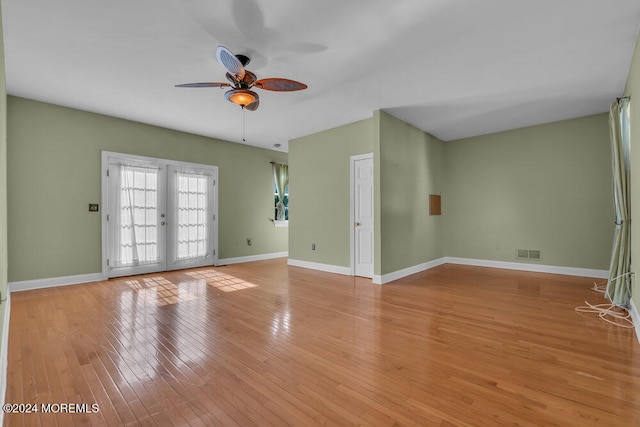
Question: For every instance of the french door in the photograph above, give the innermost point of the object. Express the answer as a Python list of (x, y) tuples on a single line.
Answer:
[(158, 215)]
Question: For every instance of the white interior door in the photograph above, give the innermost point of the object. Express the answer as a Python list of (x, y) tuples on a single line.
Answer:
[(159, 215), (362, 199)]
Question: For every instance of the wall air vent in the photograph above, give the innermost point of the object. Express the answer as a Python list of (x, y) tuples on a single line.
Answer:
[(535, 254), (531, 254)]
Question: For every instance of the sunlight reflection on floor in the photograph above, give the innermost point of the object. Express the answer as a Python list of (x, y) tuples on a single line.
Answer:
[(160, 291), (221, 281)]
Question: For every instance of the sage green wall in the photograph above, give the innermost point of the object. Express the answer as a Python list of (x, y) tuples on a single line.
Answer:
[(544, 187), (410, 169), (3, 181), (633, 90), (319, 176), (54, 156)]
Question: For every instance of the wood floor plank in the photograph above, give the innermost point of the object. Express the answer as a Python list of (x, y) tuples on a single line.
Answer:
[(266, 344)]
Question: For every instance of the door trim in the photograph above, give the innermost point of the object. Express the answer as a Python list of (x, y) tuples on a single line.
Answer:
[(352, 214), (105, 156)]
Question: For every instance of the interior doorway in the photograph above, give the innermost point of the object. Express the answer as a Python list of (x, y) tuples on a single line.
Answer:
[(362, 209)]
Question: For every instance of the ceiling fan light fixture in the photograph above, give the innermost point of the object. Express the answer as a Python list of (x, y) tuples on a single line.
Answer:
[(241, 97)]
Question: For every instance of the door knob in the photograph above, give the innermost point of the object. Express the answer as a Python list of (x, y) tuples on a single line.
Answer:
[(162, 223), (357, 224)]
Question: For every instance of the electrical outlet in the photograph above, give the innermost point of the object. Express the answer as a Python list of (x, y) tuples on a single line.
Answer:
[(93, 207), (313, 246)]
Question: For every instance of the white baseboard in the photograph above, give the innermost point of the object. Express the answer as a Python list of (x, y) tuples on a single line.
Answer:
[(27, 285), (539, 268), (568, 271), (635, 317), (241, 259), (322, 267), (4, 351), (390, 277)]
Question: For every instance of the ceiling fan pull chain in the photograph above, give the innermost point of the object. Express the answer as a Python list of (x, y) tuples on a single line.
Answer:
[(243, 124)]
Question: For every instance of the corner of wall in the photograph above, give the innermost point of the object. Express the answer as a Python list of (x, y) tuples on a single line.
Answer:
[(409, 168), (4, 347), (377, 224), (632, 90)]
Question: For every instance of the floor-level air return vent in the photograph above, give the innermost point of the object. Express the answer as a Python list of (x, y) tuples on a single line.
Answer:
[(531, 254)]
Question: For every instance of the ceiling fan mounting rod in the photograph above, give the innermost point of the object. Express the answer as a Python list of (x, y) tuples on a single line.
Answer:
[(244, 59)]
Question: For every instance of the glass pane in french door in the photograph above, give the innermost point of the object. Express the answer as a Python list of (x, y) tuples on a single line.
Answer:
[(190, 240), (192, 214), (135, 219)]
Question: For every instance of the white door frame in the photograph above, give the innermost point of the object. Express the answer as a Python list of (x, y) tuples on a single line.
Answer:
[(106, 155), (352, 213)]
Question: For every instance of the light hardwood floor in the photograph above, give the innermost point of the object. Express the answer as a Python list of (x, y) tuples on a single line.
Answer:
[(266, 344)]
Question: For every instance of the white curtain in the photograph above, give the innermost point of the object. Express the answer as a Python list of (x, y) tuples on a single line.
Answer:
[(619, 285), (136, 218), (281, 178), (192, 229)]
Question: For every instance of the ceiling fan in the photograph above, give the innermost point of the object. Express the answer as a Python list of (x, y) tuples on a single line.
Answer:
[(242, 80)]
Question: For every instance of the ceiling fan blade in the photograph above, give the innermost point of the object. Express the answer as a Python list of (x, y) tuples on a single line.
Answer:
[(230, 62), (279, 85), (253, 106), (212, 84)]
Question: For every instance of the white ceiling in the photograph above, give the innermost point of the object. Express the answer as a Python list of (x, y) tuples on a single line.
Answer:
[(453, 68)]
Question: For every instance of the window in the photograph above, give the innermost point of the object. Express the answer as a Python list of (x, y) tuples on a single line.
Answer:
[(280, 201), (276, 199)]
